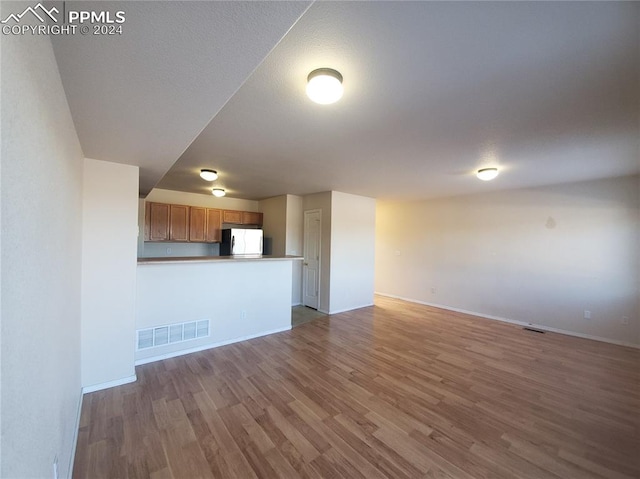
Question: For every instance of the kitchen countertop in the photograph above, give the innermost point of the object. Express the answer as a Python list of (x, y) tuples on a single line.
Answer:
[(214, 259)]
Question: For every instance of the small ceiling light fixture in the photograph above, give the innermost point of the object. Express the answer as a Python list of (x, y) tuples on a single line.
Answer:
[(487, 174), (208, 175), (218, 192), (324, 86)]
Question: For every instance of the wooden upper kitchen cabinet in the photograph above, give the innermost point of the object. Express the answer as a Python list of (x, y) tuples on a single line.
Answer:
[(197, 224), (207, 226), (179, 221), (147, 220), (213, 232), (232, 216), (251, 218), (157, 221), (242, 217)]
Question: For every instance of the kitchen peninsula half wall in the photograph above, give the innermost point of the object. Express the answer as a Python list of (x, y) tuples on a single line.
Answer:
[(191, 304)]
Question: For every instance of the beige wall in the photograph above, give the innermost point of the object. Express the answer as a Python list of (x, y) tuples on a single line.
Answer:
[(347, 249), (275, 222), (109, 230), (540, 255), (195, 199), (41, 198), (353, 220)]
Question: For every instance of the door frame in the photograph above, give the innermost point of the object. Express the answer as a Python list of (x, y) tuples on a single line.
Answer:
[(304, 251)]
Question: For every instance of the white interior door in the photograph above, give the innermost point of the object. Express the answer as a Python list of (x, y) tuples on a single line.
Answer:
[(311, 265)]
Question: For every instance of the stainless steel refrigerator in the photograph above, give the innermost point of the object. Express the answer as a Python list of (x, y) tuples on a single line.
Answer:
[(238, 241)]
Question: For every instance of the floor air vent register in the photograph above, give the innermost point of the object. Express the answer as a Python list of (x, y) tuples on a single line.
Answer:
[(172, 333)]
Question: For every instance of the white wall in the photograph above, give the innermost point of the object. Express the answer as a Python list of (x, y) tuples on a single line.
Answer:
[(294, 240), (353, 220), (322, 202), (109, 234), (240, 298), (538, 255), (41, 242)]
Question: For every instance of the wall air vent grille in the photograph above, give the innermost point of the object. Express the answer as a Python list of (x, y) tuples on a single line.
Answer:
[(172, 333)]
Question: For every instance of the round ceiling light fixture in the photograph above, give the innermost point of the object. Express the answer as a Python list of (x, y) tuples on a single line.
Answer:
[(218, 192), (487, 174), (208, 175), (324, 86)]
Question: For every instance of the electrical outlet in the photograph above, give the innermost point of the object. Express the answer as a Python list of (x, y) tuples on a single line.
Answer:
[(433, 290), (55, 468), (587, 314), (243, 314), (397, 253), (625, 320)]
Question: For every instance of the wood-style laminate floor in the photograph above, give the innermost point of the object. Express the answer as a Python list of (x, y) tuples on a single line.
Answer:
[(395, 390)]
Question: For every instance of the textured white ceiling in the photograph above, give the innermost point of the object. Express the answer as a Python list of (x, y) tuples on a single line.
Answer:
[(141, 98), (549, 92)]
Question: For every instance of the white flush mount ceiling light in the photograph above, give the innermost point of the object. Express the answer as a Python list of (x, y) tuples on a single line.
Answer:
[(218, 192), (208, 175), (486, 174), (324, 86)]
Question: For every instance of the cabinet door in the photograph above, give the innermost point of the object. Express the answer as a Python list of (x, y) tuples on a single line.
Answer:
[(214, 226), (251, 218), (232, 216), (158, 221), (147, 220), (197, 224), (179, 230)]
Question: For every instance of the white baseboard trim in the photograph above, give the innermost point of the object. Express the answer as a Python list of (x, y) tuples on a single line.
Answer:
[(514, 321), (204, 347), (109, 384), (296, 304), (338, 311), (76, 430)]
